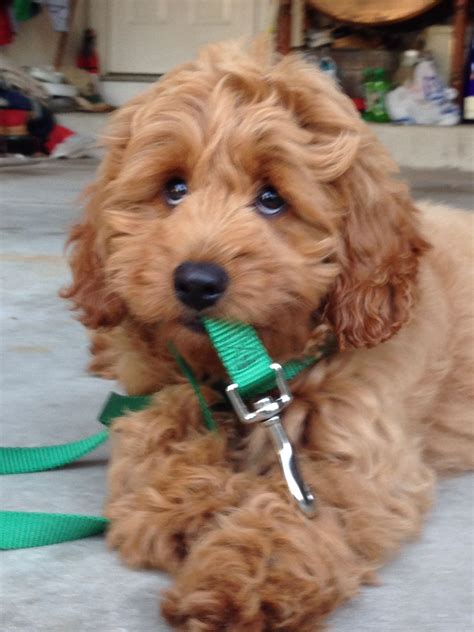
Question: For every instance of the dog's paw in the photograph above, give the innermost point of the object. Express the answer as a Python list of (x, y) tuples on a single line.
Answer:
[(263, 568), (206, 611), (245, 589), (229, 608)]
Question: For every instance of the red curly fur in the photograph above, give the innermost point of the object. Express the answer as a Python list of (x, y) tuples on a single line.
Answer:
[(372, 425), (99, 307), (374, 295)]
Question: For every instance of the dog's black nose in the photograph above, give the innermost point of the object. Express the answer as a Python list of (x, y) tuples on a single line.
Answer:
[(200, 285)]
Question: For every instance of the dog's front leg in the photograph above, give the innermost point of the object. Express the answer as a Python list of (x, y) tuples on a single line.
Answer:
[(168, 479)]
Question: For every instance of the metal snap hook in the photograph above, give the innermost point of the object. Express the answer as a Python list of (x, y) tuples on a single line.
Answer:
[(267, 410)]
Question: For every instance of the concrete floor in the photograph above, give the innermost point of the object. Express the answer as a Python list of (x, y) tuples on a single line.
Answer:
[(46, 397)]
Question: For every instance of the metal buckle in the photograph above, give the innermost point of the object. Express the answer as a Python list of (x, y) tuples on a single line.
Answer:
[(267, 410), (264, 408)]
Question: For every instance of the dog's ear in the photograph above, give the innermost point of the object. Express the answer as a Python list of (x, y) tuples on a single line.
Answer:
[(374, 294), (380, 242), (89, 291), (97, 306)]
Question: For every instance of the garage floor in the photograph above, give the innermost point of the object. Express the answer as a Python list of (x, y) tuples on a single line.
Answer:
[(46, 397)]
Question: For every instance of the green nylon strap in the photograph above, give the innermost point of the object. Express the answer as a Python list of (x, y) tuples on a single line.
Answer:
[(24, 460), (119, 405), (24, 529), (39, 459), (245, 358), (209, 421)]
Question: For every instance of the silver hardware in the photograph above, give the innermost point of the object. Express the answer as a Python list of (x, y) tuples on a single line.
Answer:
[(267, 410), (266, 407)]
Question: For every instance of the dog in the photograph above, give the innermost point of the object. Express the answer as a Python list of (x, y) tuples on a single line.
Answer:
[(247, 188)]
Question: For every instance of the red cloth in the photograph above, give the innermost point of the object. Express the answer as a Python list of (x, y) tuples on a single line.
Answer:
[(6, 31), (12, 118), (88, 62), (58, 135)]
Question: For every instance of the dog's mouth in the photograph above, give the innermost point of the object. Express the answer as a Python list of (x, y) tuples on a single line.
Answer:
[(194, 324)]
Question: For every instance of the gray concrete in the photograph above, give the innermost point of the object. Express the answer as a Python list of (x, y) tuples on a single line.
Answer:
[(46, 397)]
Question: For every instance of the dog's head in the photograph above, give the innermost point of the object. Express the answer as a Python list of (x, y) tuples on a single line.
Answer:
[(247, 190)]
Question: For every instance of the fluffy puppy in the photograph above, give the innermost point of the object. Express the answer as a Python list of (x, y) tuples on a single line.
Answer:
[(249, 189)]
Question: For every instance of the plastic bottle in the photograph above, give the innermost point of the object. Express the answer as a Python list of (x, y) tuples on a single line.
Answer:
[(376, 87), (405, 72)]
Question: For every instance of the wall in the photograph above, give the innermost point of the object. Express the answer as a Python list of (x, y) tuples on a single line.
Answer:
[(35, 42), (109, 18)]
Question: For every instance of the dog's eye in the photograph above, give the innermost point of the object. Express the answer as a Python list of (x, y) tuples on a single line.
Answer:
[(269, 202), (175, 190)]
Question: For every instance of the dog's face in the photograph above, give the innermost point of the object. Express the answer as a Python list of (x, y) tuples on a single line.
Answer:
[(216, 209), (247, 191)]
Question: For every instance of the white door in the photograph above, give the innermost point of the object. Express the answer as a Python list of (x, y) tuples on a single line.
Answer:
[(152, 36)]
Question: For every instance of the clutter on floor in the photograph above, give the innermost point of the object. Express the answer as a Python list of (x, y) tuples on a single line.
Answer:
[(27, 123), (395, 61), (31, 95), (70, 90)]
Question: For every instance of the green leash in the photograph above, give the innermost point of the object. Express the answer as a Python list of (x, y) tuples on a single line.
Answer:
[(24, 529), (245, 360), (24, 460), (209, 421)]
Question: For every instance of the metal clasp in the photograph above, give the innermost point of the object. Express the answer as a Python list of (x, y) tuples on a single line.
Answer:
[(266, 407), (267, 410)]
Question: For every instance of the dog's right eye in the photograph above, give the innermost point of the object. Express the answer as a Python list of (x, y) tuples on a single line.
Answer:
[(175, 190), (269, 201)]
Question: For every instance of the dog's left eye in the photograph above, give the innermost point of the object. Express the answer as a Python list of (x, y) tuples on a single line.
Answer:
[(269, 201), (175, 190)]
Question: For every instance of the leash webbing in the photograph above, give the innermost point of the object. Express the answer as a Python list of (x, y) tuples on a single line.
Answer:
[(245, 360), (209, 421), (25, 529), (119, 405), (25, 460), (39, 459)]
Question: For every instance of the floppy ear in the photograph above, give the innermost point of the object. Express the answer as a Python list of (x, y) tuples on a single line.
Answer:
[(97, 304), (375, 292), (380, 242)]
